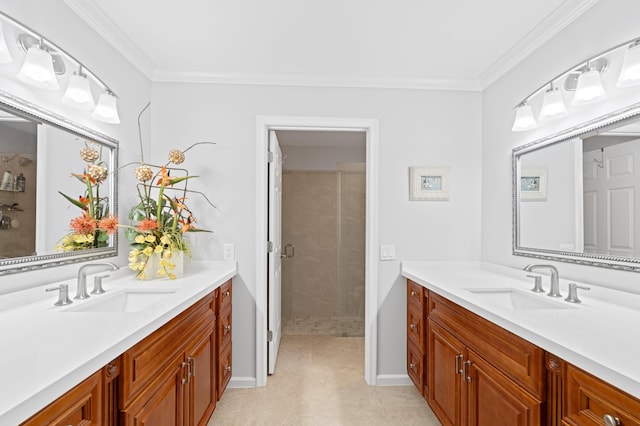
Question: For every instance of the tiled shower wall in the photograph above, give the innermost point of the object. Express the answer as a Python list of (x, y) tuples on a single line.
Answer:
[(323, 215)]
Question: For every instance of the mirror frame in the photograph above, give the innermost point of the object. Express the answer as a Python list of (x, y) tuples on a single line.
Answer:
[(23, 108), (612, 262)]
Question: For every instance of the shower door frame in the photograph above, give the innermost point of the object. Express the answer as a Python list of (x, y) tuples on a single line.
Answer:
[(264, 124)]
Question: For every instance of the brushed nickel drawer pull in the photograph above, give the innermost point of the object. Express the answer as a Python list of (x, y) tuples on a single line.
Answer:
[(610, 420), (458, 368), (467, 364), (184, 379)]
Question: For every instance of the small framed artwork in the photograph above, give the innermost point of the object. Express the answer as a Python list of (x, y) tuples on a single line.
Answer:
[(533, 185), (429, 184)]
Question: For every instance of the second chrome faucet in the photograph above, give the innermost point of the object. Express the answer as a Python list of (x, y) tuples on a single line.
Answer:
[(554, 289), (81, 292)]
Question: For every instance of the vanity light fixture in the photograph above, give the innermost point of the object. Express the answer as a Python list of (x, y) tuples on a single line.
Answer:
[(589, 88), (78, 93), (585, 78), (630, 73), (37, 69), (44, 60), (553, 106), (5, 56), (107, 109), (524, 118)]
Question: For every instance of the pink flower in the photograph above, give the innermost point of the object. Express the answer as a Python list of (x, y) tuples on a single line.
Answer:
[(83, 224), (109, 224), (147, 225)]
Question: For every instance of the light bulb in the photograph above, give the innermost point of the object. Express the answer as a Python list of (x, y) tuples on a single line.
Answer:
[(552, 105), (78, 93), (37, 69), (524, 118), (107, 110), (589, 88)]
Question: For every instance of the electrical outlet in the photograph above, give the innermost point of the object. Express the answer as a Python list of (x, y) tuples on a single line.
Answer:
[(229, 252), (387, 252)]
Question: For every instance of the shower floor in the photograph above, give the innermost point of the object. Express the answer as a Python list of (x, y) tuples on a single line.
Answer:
[(328, 326)]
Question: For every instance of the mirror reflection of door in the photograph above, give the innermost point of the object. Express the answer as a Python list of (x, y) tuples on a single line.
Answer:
[(611, 202)]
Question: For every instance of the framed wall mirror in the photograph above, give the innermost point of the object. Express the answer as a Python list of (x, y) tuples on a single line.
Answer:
[(40, 160), (576, 194)]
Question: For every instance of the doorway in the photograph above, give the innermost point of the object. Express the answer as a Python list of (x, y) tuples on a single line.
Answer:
[(323, 232), (370, 128)]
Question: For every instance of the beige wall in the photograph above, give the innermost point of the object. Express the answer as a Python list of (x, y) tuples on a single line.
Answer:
[(323, 215)]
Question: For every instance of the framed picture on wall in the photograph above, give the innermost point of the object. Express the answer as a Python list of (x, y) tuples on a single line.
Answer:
[(428, 184), (533, 185)]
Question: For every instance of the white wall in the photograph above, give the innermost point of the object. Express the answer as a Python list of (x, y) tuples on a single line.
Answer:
[(417, 128), (55, 21), (607, 23)]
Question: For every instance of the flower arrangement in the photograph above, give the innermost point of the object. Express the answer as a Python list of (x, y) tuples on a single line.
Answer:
[(161, 218), (91, 229)]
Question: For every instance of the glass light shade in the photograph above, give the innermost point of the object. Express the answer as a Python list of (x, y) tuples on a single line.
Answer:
[(552, 105), (78, 93), (630, 72), (106, 110), (524, 119), (5, 56), (589, 88), (37, 69)]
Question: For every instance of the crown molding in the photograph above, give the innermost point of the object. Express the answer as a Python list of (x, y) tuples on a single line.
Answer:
[(95, 17), (555, 22), (314, 80)]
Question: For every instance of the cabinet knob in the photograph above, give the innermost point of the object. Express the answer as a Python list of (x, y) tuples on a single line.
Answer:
[(412, 366), (228, 369), (413, 293), (226, 293), (228, 328), (412, 326), (610, 420)]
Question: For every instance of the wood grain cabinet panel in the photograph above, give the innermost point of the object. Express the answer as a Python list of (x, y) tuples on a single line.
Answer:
[(417, 298), (202, 397), (588, 399), (82, 405)]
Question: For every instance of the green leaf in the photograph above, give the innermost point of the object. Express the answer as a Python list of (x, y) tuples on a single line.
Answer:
[(73, 201), (198, 230), (179, 179)]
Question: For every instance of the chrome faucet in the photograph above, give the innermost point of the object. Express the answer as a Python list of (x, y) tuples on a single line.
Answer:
[(554, 290), (82, 277)]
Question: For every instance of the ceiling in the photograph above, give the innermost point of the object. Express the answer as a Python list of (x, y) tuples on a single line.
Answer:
[(455, 44)]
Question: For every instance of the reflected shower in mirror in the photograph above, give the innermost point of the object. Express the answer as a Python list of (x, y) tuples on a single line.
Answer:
[(577, 194)]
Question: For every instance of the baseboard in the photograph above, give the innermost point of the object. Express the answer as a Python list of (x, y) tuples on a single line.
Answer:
[(242, 382), (393, 380)]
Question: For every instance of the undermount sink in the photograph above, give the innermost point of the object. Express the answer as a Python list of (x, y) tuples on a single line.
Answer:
[(516, 299), (123, 301)]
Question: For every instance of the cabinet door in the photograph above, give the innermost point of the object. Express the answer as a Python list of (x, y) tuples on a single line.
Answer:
[(201, 399), (495, 400), (80, 406), (160, 403), (445, 383)]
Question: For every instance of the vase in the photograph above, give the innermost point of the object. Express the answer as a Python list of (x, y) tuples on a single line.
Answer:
[(154, 265)]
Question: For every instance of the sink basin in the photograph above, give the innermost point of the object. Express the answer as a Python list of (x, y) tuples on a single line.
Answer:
[(123, 301), (517, 299)]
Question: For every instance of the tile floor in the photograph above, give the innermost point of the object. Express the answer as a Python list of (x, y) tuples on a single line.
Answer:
[(319, 380), (332, 326)]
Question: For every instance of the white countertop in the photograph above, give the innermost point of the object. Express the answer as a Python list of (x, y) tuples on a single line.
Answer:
[(46, 351), (600, 335)]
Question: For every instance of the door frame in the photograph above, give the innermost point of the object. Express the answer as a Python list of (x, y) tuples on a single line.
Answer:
[(370, 126)]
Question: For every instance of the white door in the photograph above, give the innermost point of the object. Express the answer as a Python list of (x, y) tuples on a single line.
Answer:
[(274, 259), (611, 180)]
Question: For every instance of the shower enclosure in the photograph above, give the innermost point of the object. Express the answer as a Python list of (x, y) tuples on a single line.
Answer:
[(323, 284)]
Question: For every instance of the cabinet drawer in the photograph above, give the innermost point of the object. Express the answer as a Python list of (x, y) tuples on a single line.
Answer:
[(224, 327), (415, 366), (588, 399), (224, 296), (224, 369), (144, 361), (415, 295), (81, 405), (521, 361), (415, 327)]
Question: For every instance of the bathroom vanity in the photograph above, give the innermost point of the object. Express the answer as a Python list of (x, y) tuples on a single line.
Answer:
[(164, 354), (483, 349)]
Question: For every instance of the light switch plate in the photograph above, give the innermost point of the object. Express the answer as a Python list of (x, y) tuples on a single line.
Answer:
[(229, 252), (387, 252)]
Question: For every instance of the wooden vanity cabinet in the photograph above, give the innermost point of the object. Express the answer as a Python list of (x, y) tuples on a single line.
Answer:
[(417, 298), (92, 402), (586, 400), (224, 337)]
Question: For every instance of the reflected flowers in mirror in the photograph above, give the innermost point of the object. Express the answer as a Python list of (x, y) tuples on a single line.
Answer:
[(93, 227)]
